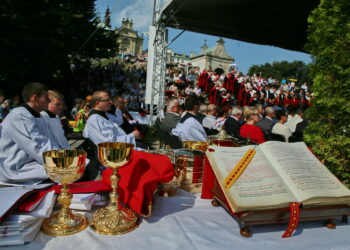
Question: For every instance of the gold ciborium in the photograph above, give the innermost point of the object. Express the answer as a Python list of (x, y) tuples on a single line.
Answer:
[(114, 219), (64, 167), (222, 139)]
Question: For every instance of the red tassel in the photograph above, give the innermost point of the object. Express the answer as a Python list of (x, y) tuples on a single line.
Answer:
[(293, 220)]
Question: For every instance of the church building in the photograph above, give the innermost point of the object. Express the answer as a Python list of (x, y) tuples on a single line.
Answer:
[(215, 57), (128, 40)]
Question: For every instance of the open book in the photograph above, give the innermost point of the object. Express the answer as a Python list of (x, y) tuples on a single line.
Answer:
[(278, 174)]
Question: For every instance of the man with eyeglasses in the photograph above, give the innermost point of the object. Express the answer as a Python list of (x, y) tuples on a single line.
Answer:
[(100, 128), (170, 120), (171, 116)]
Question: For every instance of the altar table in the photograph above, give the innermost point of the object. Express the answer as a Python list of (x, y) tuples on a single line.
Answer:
[(188, 222)]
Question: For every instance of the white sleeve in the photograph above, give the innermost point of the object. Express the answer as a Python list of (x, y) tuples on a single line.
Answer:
[(190, 130), (195, 131), (99, 131), (26, 133), (119, 115)]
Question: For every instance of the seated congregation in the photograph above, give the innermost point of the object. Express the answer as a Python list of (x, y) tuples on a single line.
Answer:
[(34, 128)]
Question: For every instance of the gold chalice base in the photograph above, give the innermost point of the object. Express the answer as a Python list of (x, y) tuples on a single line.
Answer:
[(113, 221), (57, 225)]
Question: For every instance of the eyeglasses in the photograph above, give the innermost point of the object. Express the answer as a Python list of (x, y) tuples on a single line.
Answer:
[(105, 100)]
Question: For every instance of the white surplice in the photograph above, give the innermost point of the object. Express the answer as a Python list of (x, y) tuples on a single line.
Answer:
[(190, 130), (117, 117), (23, 140), (55, 130), (99, 129)]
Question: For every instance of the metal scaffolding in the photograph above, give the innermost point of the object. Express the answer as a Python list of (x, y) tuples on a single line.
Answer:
[(157, 102)]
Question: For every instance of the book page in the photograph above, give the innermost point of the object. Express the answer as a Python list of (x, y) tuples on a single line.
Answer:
[(305, 175), (258, 187), (9, 196)]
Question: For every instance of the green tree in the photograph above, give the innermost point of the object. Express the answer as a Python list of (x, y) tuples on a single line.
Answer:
[(329, 44), (283, 70), (40, 38), (107, 19)]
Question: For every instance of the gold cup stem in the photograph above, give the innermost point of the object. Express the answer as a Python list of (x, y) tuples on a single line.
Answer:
[(114, 194), (65, 199)]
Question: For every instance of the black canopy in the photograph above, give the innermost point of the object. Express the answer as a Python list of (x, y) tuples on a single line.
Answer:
[(280, 23)]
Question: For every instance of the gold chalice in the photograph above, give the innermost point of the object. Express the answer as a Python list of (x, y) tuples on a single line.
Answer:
[(114, 219), (64, 167), (196, 145)]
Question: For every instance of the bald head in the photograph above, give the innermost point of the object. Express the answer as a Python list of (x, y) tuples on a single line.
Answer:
[(270, 112), (101, 100), (173, 105), (211, 109)]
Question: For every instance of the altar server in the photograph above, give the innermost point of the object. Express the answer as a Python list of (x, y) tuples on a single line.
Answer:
[(53, 122), (100, 128), (188, 128), (24, 138)]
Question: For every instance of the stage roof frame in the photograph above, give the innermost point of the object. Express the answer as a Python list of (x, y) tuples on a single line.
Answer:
[(280, 23)]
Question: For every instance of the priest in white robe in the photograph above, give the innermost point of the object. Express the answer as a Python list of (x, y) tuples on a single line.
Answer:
[(24, 138), (189, 128), (53, 122), (100, 128)]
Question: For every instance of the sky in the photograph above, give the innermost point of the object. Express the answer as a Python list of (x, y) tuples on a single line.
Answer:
[(245, 54)]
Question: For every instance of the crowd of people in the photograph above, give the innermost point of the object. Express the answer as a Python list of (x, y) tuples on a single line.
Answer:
[(247, 107), (250, 109)]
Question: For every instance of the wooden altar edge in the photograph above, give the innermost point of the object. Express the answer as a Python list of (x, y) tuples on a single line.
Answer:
[(245, 219), (272, 216)]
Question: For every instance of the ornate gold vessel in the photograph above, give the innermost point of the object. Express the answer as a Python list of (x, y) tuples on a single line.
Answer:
[(191, 161), (64, 167), (222, 139), (196, 145), (114, 219), (167, 189)]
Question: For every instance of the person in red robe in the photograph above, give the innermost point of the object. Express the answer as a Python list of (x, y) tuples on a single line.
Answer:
[(226, 79), (231, 83), (240, 93), (227, 100), (201, 80), (213, 94), (249, 129)]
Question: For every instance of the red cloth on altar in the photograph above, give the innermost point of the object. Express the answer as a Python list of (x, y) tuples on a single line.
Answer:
[(139, 178), (208, 180), (252, 132), (74, 188)]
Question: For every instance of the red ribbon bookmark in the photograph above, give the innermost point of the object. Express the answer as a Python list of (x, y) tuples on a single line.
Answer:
[(293, 220)]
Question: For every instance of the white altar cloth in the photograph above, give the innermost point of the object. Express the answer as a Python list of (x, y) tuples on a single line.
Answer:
[(188, 222)]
